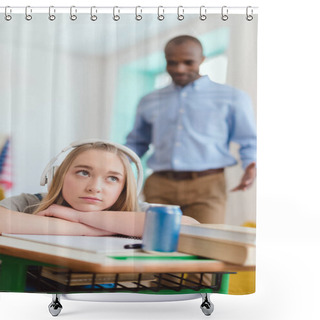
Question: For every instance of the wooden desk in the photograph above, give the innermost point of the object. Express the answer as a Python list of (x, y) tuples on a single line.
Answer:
[(17, 253)]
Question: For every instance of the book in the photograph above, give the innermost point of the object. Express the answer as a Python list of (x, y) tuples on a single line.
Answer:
[(224, 250), (232, 244), (221, 231)]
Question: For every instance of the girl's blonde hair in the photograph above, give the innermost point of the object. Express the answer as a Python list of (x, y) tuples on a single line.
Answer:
[(127, 200)]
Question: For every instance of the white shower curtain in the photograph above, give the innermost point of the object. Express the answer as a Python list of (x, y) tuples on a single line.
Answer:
[(65, 80), (62, 81)]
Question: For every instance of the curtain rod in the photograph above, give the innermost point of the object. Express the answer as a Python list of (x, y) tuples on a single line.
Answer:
[(128, 9)]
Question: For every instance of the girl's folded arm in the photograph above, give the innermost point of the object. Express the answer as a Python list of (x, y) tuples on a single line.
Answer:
[(128, 223), (121, 222), (22, 223)]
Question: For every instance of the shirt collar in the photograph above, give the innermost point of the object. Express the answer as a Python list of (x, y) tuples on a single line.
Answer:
[(203, 80)]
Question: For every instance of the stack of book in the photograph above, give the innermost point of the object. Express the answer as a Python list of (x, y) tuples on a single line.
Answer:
[(232, 244)]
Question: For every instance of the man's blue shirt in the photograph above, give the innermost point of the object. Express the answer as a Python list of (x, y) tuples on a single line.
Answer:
[(191, 127)]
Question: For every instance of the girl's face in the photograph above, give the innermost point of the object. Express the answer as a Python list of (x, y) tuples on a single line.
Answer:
[(94, 181)]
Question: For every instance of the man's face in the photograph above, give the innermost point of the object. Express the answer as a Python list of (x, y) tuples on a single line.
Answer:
[(183, 62)]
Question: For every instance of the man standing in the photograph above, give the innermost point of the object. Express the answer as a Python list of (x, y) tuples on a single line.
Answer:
[(190, 124)]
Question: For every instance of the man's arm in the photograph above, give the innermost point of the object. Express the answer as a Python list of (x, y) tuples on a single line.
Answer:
[(139, 138), (247, 179), (243, 132)]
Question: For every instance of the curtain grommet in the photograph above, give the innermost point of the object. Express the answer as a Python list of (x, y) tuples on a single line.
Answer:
[(116, 17), (180, 13), (138, 16), (224, 13), (93, 17), (203, 13), (28, 16), (52, 17), (7, 16), (73, 12), (249, 17), (160, 16)]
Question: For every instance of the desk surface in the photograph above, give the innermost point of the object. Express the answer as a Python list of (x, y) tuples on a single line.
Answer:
[(95, 259)]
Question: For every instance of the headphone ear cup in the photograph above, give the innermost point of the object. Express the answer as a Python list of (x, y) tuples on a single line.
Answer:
[(50, 175)]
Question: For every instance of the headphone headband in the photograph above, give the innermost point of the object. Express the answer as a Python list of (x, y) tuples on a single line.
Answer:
[(132, 155)]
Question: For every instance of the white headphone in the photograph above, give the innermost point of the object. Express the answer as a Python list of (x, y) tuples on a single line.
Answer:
[(48, 172)]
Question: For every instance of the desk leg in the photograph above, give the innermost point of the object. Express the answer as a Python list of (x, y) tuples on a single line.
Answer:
[(224, 285), (12, 274)]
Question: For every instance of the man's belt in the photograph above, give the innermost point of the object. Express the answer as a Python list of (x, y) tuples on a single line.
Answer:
[(187, 175)]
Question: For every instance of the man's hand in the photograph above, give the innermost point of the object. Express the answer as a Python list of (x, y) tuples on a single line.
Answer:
[(61, 212), (248, 178)]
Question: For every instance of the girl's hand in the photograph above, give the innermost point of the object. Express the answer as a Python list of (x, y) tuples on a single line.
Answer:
[(61, 212), (188, 220)]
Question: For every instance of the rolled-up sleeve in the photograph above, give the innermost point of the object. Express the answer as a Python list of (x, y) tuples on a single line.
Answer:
[(24, 202), (243, 129)]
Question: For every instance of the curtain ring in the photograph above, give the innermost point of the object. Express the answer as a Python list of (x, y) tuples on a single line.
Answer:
[(138, 16), (28, 16), (180, 13), (73, 16), (93, 17), (203, 13), (224, 13), (52, 16), (116, 17), (249, 17), (160, 16), (7, 16)]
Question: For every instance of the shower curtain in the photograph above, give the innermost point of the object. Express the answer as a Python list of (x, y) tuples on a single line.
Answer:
[(78, 73)]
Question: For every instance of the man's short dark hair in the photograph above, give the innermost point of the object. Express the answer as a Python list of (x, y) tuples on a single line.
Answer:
[(182, 39)]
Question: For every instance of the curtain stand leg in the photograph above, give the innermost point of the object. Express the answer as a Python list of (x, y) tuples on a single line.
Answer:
[(55, 306), (206, 305)]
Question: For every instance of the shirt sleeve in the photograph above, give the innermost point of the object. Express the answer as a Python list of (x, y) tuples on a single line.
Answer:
[(139, 138), (24, 202), (243, 128)]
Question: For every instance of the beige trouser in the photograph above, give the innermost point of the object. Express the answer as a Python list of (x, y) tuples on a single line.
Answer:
[(203, 198)]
